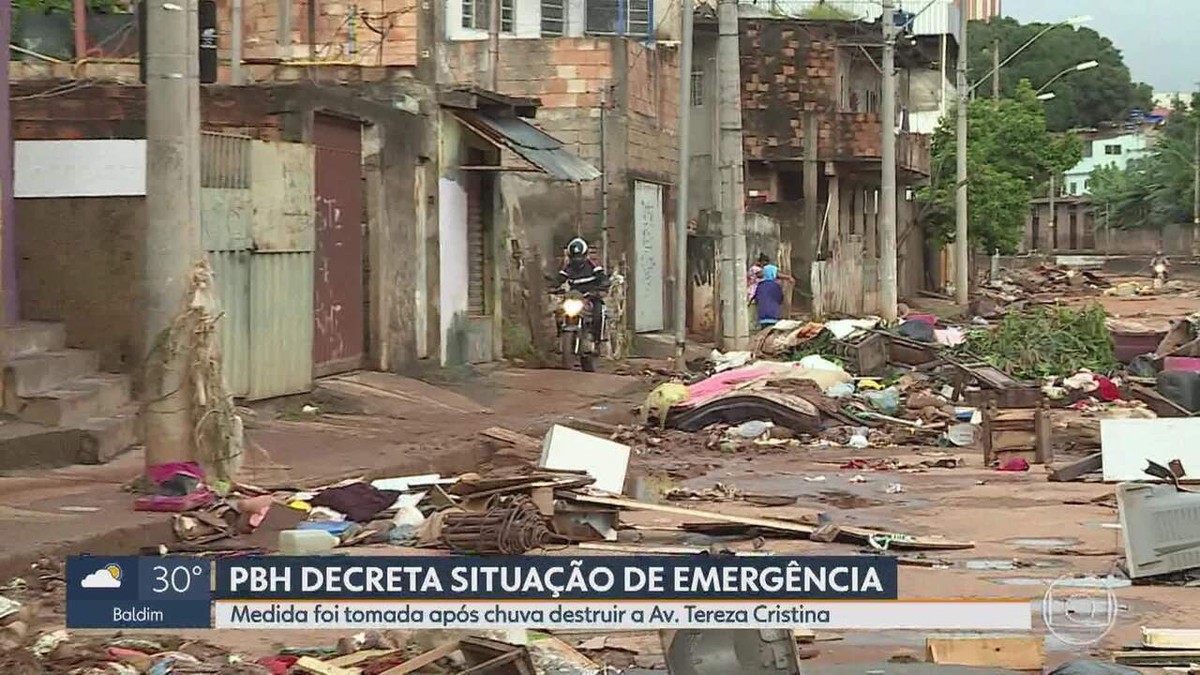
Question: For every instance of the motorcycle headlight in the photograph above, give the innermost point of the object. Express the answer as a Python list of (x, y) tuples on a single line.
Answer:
[(572, 307), (1160, 268)]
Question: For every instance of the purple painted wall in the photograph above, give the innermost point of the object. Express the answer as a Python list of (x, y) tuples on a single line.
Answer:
[(8, 262)]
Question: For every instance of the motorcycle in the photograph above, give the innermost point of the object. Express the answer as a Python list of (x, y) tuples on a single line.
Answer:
[(576, 331), (1160, 275)]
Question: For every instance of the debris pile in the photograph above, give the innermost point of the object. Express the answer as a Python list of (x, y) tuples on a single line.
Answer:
[(59, 652), (1047, 341)]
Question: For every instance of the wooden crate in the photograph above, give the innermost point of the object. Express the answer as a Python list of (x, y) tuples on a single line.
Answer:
[(1016, 432), (866, 354)]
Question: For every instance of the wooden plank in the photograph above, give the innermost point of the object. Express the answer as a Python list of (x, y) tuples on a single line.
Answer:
[(1013, 652), (1171, 638), (860, 534), (771, 523), (310, 665), (1077, 469), (517, 440), (1157, 657), (1013, 440), (359, 657), (422, 660)]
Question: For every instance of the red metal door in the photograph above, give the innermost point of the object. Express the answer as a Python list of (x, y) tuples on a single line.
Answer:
[(338, 279)]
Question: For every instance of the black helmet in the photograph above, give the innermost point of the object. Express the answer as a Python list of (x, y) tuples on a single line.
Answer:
[(577, 247)]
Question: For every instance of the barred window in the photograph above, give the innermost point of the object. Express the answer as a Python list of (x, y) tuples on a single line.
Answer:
[(603, 17)]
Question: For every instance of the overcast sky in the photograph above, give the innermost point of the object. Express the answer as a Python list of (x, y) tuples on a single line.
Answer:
[(1160, 39)]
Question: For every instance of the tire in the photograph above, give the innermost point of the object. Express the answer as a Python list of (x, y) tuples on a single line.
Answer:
[(566, 342), (587, 362)]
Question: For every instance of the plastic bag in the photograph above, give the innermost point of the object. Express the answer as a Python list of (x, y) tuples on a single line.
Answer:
[(751, 429), (886, 401)]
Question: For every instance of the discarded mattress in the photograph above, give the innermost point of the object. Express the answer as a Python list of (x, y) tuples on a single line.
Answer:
[(733, 380), (785, 410)]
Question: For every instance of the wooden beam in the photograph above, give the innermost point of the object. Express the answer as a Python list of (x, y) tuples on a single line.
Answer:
[(423, 660), (1012, 652)]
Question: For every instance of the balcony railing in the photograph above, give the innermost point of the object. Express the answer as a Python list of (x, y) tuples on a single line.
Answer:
[(938, 18)]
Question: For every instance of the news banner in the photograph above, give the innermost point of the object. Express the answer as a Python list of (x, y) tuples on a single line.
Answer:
[(601, 592)]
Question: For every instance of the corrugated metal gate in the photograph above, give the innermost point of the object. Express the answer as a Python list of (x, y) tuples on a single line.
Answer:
[(648, 235), (257, 226), (338, 342)]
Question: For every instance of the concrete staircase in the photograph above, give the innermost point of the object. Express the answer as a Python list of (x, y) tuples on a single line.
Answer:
[(58, 408)]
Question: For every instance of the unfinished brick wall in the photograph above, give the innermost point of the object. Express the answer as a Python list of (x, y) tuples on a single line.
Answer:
[(119, 111), (562, 72), (791, 69), (365, 32), (653, 111)]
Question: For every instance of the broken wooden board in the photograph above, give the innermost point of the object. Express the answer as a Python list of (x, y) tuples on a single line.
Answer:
[(1012, 652), (1171, 638), (310, 665), (858, 535), (1077, 469), (359, 657), (417, 662), (1150, 658), (509, 437)]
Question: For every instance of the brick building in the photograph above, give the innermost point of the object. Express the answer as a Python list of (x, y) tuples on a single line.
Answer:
[(608, 90), (812, 137)]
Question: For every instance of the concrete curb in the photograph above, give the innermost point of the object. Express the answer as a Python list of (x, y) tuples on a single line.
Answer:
[(126, 539)]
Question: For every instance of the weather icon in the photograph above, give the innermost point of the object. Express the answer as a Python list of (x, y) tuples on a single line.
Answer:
[(108, 576)]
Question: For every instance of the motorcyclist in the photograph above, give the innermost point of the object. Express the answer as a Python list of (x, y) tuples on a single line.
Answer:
[(584, 275), (1160, 259)]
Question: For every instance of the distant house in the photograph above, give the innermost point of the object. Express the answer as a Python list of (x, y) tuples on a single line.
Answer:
[(1110, 147)]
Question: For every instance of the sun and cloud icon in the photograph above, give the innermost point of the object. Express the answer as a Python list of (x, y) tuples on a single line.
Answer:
[(108, 576)]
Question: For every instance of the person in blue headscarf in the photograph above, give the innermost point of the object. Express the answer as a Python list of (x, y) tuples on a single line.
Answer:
[(768, 297)]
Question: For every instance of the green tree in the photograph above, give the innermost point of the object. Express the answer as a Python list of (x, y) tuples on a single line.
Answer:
[(1155, 190), (1084, 99), (1009, 154)]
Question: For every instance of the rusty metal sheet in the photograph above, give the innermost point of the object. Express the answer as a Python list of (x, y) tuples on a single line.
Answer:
[(338, 292), (532, 144)]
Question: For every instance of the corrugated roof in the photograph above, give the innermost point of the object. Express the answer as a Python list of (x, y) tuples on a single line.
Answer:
[(534, 145)]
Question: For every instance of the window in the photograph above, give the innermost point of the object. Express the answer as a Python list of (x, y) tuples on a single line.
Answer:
[(1087, 184), (618, 17), (1074, 189), (476, 13), (698, 87), (1112, 149), (554, 18)]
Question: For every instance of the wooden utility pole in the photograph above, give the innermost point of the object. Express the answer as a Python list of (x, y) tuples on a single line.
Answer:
[(173, 222), (684, 135), (735, 318), (889, 294)]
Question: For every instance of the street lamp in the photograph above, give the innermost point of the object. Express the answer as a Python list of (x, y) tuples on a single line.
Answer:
[(961, 249), (1046, 96), (1086, 65), (1074, 22)]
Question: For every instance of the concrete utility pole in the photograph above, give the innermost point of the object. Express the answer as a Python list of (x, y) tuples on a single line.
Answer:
[(996, 68), (173, 220), (888, 296), (684, 136), (961, 247), (735, 317), (494, 9), (235, 37), (1196, 164)]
